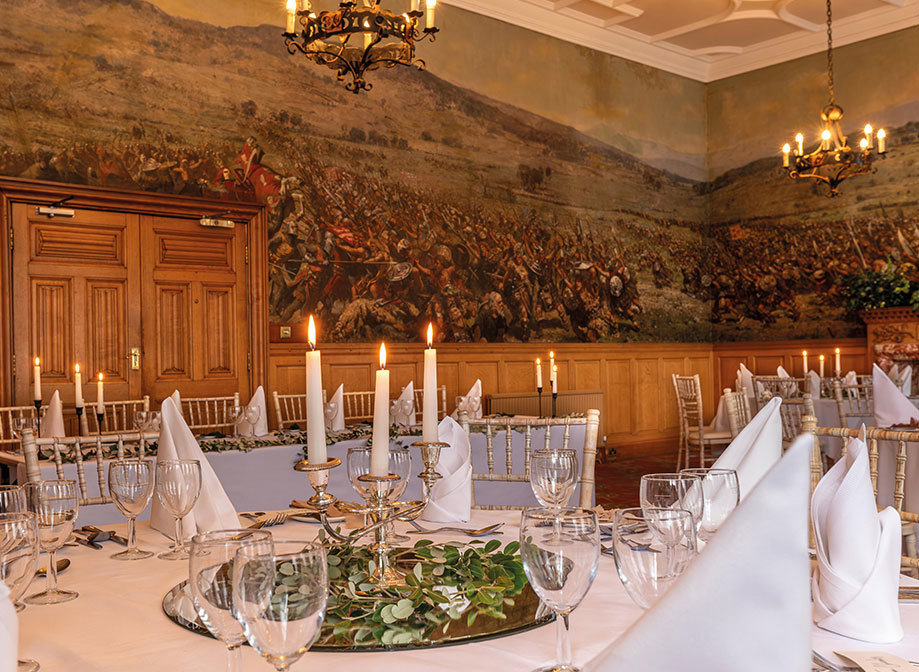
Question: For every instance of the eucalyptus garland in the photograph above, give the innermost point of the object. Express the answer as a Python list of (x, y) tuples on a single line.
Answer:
[(445, 583)]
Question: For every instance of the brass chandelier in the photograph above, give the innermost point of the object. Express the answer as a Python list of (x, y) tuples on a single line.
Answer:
[(833, 160), (358, 37)]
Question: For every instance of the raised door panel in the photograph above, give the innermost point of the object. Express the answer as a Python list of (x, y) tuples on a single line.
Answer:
[(106, 340), (172, 360), (220, 356), (200, 249), (52, 326), (65, 242)]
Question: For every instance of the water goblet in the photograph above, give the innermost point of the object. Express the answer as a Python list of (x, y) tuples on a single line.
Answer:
[(358, 463), (55, 505), (675, 491), (652, 546), (22, 422), (251, 415), (12, 499), (553, 475), (330, 410), (236, 414), (141, 421), (560, 550), (281, 625), (721, 495), (178, 484), (19, 539), (130, 483), (211, 566), (154, 425)]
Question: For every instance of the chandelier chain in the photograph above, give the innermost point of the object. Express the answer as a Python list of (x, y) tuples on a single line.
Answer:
[(829, 50)]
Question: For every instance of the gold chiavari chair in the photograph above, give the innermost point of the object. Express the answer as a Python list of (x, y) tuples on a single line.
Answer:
[(8, 414), (738, 407), (902, 441), (441, 401), (853, 402), (358, 406), (290, 409), (767, 387), (82, 450), (118, 417), (209, 414), (509, 425), (693, 433)]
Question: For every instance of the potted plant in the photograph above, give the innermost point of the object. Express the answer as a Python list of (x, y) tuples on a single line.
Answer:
[(871, 291)]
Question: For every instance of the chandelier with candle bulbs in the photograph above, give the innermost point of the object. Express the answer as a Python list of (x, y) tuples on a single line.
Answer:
[(359, 37), (833, 159)]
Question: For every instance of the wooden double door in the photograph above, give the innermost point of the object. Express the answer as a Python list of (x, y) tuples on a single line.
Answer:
[(155, 303)]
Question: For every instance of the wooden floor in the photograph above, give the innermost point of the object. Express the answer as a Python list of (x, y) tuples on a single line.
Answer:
[(618, 478)]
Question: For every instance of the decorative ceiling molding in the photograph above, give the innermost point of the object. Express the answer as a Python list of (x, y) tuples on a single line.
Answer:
[(722, 40)]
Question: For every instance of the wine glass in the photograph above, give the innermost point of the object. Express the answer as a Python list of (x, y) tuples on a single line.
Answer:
[(281, 625), (400, 464), (251, 414), (210, 571), (560, 550), (553, 475), (141, 421), (178, 484), (154, 425), (18, 561), (652, 546), (55, 505), (675, 491), (12, 499), (130, 483), (22, 422), (358, 462), (236, 414), (721, 495), (330, 410)]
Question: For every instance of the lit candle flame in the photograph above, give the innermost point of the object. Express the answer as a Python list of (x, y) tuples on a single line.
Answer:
[(555, 369), (551, 354), (311, 333), (37, 361), (430, 335), (882, 134), (799, 137), (837, 351), (863, 143), (868, 129), (76, 367), (382, 355), (804, 353), (291, 5), (538, 361), (786, 148), (821, 358), (826, 134), (100, 375)]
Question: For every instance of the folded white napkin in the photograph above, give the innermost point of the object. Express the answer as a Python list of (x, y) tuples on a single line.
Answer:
[(744, 602), (891, 406), (213, 510), (52, 425), (756, 449), (337, 422), (260, 428), (894, 374), (177, 399), (851, 378), (904, 379), (813, 384), (747, 377), (471, 403), (788, 389), (9, 632), (451, 498), (858, 553), (399, 417)]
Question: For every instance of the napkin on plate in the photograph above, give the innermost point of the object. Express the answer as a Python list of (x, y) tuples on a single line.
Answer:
[(451, 498), (858, 553), (747, 378), (213, 510), (744, 603), (399, 417), (756, 449), (337, 423), (788, 389), (177, 400), (260, 428), (52, 425), (9, 631), (891, 406), (813, 384), (471, 403)]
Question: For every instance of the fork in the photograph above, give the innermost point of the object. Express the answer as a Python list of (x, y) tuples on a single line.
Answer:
[(482, 532), (826, 664), (269, 521)]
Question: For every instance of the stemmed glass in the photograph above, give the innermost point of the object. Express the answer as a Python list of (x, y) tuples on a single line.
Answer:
[(358, 463), (210, 571), (674, 491), (130, 483), (330, 410), (19, 541), (178, 484), (21, 423), (236, 414), (55, 505), (400, 464), (251, 415), (154, 424), (560, 567), (553, 475), (652, 546), (721, 495), (141, 421), (281, 625), (12, 499)]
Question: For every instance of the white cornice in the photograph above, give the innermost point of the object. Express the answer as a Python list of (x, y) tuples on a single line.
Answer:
[(634, 46)]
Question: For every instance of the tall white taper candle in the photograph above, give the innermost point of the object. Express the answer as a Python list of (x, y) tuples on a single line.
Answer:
[(315, 418), (77, 387), (379, 448), (100, 398), (36, 380), (429, 400)]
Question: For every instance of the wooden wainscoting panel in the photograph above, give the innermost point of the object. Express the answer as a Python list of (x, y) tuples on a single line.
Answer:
[(52, 320), (448, 375), (646, 389), (172, 360), (670, 414), (400, 375), (487, 372), (355, 377), (105, 329), (520, 376), (587, 374), (619, 398)]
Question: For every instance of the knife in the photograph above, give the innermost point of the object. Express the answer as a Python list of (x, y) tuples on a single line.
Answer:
[(88, 542)]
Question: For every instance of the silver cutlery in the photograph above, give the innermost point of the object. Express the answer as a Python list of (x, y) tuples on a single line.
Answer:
[(481, 532), (269, 521), (826, 664), (86, 541), (60, 564), (99, 535)]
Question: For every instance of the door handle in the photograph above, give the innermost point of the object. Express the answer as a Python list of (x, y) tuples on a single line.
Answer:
[(135, 359)]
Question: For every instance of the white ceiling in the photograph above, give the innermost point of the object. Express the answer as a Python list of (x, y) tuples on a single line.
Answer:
[(703, 39)]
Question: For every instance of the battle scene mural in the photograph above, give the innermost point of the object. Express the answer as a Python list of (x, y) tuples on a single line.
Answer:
[(554, 214)]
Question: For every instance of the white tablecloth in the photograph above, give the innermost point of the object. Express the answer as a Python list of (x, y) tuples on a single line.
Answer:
[(263, 478), (117, 623)]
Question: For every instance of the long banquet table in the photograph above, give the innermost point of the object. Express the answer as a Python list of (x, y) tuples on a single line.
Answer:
[(117, 623)]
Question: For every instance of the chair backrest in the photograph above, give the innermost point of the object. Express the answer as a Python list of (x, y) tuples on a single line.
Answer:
[(358, 406), (689, 403), (117, 419), (873, 435), (793, 411), (290, 409), (853, 401), (525, 426), (738, 407), (82, 449), (767, 387), (441, 401), (209, 414), (7, 413)]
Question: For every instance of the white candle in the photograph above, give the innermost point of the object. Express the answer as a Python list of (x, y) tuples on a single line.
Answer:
[(315, 418), (804, 355), (799, 141), (786, 148), (100, 398), (415, 5), (291, 15), (539, 374), (882, 140), (431, 5), (869, 135), (553, 370), (36, 380), (77, 387), (826, 138), (838, 367), (429, 400), (379, 448), (821, 366), (554, 380)]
